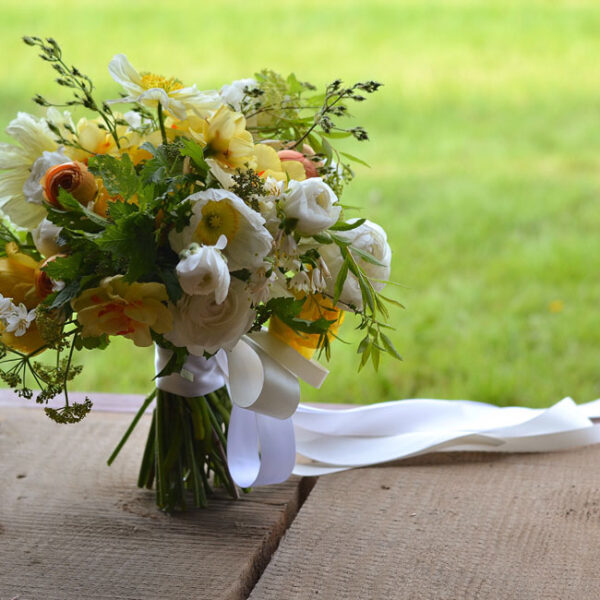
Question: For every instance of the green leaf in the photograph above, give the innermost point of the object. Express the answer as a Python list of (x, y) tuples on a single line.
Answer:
[(74, 216), (118, 174), (341, 226), (131, 239), (340, 281), (66, 294), (366, 256), (195, 152), (169, 278), (64, 268), (336, 134), (389, 346), (355, 159)]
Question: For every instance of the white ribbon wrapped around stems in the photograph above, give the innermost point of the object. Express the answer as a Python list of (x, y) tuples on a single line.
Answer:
[(268, 425)]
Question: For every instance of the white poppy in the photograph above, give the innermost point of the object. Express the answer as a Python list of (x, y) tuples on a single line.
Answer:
[(33, 138), (150, 90), (201, 324), (313, 203), (370, 238), (203, 270), (217, 212)]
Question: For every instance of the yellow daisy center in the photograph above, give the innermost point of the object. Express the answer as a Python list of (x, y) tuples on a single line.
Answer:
[(218, 218), (151, 80)]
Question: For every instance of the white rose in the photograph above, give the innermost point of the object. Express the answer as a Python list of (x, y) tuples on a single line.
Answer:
[(45, 237), (313, 203), (370, 238), (234, 93), (203, 270), (32, 189), (202, 325), (217, 212)]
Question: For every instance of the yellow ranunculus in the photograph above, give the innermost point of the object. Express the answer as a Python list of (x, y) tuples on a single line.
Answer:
[(315, 307), (18, 274), (226, 138), (268, 164), (120, 308)]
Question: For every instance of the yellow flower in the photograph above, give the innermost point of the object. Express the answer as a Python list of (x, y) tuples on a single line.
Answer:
[(120, 308), (268, 164), (316, 306), (18, 273), (226, 138)]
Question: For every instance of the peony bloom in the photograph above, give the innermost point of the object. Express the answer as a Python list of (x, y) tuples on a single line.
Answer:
[(120, 308), (234, 93), (316, 306), (150, 90), (268, 164), (313, 203), (226, 139), (370, 238), (203, 270), (217, 212), (201, 324), (33, 138)]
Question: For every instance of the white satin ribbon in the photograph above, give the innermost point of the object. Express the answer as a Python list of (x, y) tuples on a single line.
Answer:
[(337, 440), (262, 376)]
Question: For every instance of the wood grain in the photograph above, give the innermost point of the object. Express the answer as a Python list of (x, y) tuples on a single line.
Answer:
[(453, 526), (72, 528)]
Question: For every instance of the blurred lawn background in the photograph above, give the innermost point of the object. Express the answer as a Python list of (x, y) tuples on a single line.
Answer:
[(485, 154)]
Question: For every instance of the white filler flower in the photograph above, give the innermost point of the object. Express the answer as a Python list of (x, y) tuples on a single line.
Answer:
[(313, 203), (202, 270), (201, 324), (150, 89), (217, 212), (234, 93), (16, 319)]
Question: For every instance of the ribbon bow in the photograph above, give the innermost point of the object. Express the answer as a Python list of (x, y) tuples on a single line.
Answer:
[(262, 376)]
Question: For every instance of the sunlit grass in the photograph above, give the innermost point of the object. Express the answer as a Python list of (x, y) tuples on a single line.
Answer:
[(485, 160)]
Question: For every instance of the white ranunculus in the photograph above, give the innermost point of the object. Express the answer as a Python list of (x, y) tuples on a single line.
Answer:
[(32, 188), (151, 90), (234, 93), (203, 270), (370, 238), (45, 237), (202, 325), (313, 203), (217, 212)]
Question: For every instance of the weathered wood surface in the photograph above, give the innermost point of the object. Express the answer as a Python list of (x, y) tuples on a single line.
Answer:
[(72, 528), (469, 526)]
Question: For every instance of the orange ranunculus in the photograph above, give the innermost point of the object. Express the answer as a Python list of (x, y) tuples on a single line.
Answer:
[(316, 306), (127, 309), (310, 167), (73, 177)]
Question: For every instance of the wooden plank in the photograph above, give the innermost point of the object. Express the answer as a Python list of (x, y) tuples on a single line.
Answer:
[(447, 527), (72, 528)]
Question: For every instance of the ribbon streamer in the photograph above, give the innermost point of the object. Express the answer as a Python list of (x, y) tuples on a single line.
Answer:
[(268, 426)]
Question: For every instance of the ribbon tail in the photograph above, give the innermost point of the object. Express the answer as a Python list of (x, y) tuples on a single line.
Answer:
[(261, 450)]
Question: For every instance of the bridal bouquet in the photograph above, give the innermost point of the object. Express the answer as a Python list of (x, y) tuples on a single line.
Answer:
[(207, 223)]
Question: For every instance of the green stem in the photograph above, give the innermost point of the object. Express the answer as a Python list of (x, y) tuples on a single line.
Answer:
[(161, 123), (131, 427)]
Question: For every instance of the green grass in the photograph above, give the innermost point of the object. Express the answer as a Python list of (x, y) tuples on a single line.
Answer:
[(485, 159)]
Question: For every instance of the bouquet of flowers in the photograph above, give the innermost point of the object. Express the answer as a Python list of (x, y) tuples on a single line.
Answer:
[(207, 223)]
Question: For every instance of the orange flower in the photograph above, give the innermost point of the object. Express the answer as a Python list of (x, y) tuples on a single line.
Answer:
[(316, 306), (73, 177), (119, 308)]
